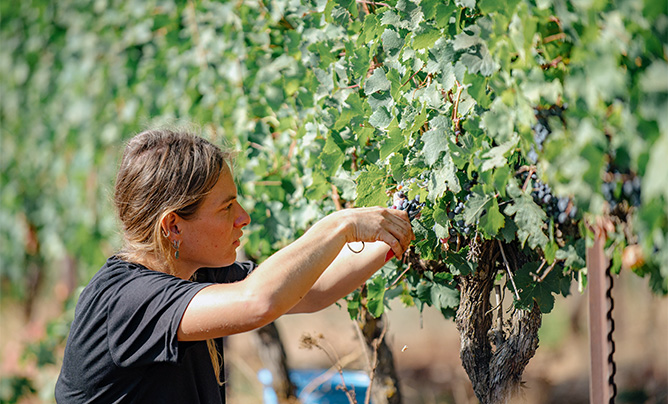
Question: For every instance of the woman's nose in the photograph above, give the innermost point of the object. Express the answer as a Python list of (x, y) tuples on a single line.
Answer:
[(243, 219)]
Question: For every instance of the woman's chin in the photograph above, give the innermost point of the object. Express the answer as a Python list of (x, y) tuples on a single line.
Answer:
[(230, 260)]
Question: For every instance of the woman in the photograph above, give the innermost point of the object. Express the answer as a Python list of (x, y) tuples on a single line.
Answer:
[(144, 325)]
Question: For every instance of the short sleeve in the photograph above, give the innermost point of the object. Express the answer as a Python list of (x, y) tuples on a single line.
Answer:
[(144, 316)]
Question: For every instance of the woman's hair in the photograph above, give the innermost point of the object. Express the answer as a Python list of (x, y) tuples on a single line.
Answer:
[(164, 171)]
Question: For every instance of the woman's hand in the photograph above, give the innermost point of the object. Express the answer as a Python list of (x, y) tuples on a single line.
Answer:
[(390, 226)]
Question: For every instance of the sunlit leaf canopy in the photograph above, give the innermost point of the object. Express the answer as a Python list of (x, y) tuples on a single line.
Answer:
[(335, 102)]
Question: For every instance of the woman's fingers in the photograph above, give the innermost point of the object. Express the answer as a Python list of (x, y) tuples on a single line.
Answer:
[(399, 232), (390, 226)]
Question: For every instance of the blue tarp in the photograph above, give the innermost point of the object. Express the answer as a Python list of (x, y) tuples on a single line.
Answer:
[(328, 391)]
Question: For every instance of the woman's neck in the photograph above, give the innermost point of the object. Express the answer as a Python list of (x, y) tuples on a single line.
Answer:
[(155, 263)]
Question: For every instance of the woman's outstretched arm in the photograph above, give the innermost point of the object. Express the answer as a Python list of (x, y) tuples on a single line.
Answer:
[(284, 279)]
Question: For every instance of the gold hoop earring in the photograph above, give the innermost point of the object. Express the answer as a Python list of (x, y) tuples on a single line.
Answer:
[(166, 235), (176, 244)]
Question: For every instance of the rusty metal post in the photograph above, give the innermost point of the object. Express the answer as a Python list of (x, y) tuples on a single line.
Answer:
[(601, 372)]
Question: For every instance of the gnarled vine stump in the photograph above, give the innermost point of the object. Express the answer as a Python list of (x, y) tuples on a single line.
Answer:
[(494, 357)]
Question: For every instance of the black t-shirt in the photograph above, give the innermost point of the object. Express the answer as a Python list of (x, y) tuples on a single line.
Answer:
[(123, 346)]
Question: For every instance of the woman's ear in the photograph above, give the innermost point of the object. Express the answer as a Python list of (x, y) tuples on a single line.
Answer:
[(170, 224)]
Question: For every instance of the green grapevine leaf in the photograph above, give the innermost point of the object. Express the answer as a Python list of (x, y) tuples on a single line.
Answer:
[(349, 5), (495, 157), (354, 304), (346, 186), (323, 50), (459, 264), (440, 230), (435, 143), (479, 201), (440, 214), (493, 220), (478, 89), (370, 30), (419, 120), (426, 38), (331, 157), (654, 184), (377, 82), (444, 296), (540, 292), (491, 6), (376, 296), (529, 218), (398, 167), (371, 187), (318, 187), (571, 256), (498, 122), (394, 142), (392, 43), (443, 178), (550, 251), (360, 62), (443, 13), (381, 118), (466, 3)]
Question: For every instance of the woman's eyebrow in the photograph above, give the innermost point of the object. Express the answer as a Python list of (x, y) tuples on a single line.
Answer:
[(228, 199)]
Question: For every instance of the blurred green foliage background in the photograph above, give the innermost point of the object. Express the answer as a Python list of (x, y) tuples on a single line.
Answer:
[(266, 78), (79, 77)]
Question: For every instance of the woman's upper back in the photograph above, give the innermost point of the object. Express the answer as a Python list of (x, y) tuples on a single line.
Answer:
[(123, 343)]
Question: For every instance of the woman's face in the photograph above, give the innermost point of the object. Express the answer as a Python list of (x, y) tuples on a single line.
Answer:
[(210, 239)]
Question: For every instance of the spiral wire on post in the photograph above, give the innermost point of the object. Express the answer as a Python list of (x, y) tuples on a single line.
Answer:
[(611, 341)]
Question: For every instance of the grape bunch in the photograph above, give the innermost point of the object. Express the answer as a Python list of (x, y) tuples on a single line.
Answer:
[(541, 130), (621, 186), (458, 226), (413, 207), (560, 208), (467, 183)]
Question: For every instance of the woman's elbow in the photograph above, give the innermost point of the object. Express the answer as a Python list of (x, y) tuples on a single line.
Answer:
[(268, 309)]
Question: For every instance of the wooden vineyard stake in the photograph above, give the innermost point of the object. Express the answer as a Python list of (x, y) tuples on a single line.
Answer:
[(602, 389)]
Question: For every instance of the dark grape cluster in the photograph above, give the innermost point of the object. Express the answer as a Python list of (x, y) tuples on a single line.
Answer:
[(458, 225), (621, 186), (559, 208), (467, 183), (413, 207), (541, 130), (456, 214)]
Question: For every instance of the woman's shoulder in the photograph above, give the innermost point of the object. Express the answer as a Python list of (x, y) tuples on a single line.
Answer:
[(120, 285), (117, 273), (116, 269)]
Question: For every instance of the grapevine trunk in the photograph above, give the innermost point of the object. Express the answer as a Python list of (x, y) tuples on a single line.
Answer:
[(494, 357)]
